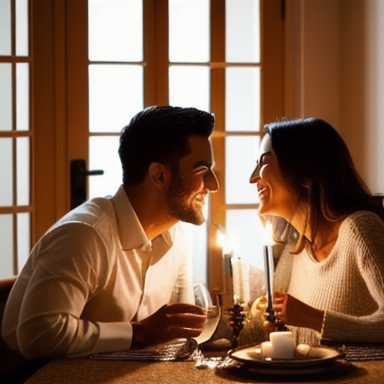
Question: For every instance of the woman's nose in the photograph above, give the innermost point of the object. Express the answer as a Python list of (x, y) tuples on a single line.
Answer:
[(255, 175)]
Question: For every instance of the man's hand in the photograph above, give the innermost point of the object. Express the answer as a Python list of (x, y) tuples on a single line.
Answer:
[(172, 321)]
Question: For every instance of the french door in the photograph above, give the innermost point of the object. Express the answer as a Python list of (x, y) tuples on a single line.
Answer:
[(98, 62), (223, 56)]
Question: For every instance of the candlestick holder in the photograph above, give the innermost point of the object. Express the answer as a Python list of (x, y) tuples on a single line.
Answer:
[(281, 327), (237, 319), (272, 319)]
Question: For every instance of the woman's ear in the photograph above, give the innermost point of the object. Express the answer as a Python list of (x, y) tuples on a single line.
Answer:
[(158, 174)]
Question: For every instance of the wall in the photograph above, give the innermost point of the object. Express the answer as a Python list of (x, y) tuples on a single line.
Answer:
[(334, 54), (362, 86)]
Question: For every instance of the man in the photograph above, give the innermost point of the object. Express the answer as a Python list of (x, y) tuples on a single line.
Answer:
[(102, 277)]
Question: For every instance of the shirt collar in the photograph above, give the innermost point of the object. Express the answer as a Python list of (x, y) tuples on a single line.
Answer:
[(131, 232), (132, 235)]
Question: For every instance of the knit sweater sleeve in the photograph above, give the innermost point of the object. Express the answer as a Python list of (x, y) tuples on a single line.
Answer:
[(362, 241)]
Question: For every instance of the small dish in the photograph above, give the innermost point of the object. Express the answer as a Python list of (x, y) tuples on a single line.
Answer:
[(318, 359)]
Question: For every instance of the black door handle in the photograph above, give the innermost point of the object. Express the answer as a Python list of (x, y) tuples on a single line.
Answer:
[(79, 175)]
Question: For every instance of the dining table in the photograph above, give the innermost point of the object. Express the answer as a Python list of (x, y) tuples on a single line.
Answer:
[(361, 366), (88, 371)]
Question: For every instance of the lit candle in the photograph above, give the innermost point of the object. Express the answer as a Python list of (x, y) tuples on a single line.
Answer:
[(236, 278), (267, 349), (240, 272), (284, 345), (269, 270), (281, 346), (303, 349)]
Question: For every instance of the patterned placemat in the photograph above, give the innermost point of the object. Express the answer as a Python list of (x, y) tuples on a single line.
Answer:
[(177, 350), (358, 352)]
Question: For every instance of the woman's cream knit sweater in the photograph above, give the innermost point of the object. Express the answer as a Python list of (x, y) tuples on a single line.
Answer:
[(348, 284)]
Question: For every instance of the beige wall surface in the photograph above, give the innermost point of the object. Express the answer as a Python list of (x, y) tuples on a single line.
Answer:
[(334, 70), (362, 87)]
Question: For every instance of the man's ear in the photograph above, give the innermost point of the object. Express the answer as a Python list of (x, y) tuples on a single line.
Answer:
[(158, 174)]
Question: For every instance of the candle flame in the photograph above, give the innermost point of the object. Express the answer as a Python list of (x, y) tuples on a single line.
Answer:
[(220, 239)]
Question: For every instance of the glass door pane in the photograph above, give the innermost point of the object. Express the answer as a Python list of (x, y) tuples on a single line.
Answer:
[(5, 27), (22, 25), (189, 86), (115, 30), (109, 162), (240, 155), (242, 20), (242, 99), (6, 172), (116, 84), (6, 97), (6, 241), (115, 95), (22, 97), (189, 31), (15, 136)]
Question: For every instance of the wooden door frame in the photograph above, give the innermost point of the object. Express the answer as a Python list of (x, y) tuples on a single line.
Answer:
[(49, 177)]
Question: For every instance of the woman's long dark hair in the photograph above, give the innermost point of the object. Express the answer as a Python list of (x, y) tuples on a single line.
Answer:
[(318, 166)]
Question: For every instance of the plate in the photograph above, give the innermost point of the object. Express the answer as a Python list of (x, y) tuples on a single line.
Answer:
[(318, 359)]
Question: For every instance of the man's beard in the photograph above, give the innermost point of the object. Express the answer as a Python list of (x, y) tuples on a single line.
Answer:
[(177, 206)]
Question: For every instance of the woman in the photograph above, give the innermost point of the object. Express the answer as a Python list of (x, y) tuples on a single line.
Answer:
[(331, 277)]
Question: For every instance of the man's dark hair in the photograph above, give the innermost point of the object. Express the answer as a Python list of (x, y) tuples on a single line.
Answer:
[(159, 134)]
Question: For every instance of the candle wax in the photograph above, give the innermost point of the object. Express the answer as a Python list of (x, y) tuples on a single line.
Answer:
[(281, 346), (267, 349)]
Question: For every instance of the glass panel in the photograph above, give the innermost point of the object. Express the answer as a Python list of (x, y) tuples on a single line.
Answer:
[(6, 241), (199, 251), (189, 35), (6, 172), (115, 30), (243, 225), (22, 27), (23, 170), (22, 96), (5, 97), (189, 86), (23, 238), (115, 95), (5, 28), (103, 155), (240, 156), (242, 22), (242, 99)]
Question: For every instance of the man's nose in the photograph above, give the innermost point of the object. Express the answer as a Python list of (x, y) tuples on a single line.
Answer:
[(255, 175), (211, 182)]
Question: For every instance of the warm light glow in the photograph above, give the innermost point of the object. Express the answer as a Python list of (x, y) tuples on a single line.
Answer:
[(220, 238), (234, 244), (268, 235)]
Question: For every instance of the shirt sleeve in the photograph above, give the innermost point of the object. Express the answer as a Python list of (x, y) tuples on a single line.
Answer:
[(70, 265)]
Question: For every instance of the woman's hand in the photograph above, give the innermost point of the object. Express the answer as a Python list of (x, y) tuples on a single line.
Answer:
[(172, 321), (258, 308), (294, 312), (258, 312)]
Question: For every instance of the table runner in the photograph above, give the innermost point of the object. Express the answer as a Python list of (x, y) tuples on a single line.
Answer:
[(358, 352)]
